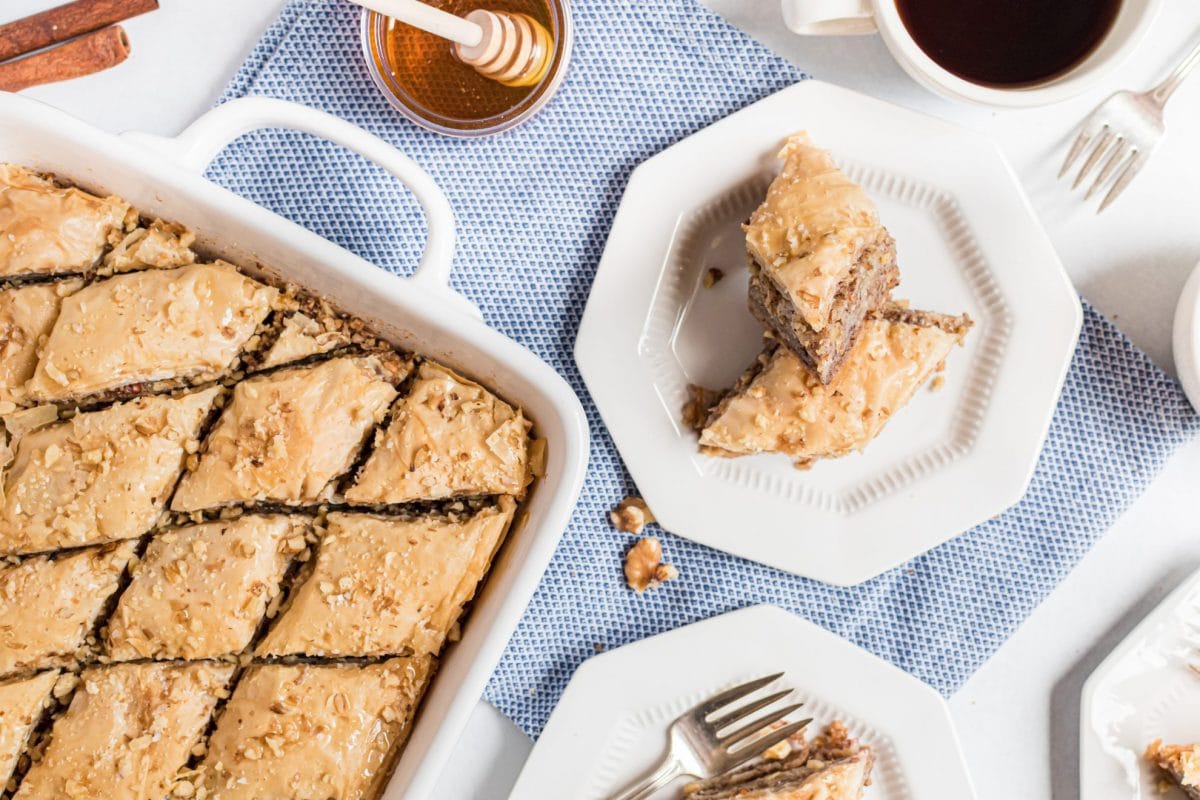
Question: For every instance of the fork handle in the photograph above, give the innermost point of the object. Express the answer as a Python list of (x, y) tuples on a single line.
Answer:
[(1161, 93), (667, 771)]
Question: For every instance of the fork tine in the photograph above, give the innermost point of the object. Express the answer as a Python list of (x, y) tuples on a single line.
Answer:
[(757, 725), (771, 739), (1120, 150), (729, 695), (1076, 149), (1101, 146), (747, 710), (1132, 167)]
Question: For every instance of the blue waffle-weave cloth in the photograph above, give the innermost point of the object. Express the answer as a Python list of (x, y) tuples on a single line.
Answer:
[(534, 207)]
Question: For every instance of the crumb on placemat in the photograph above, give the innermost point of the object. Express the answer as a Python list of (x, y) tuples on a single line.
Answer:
[(643, 565), (713, 277), (631, 515)]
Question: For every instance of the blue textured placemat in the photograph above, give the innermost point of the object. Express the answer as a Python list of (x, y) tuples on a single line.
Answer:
[(534, 207)]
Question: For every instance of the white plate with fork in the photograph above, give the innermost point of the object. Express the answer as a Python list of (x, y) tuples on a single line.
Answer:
[(1148, 688), (610, 727)]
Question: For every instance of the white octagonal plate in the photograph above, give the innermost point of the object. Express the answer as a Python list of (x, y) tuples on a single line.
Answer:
[(610, 725), (1148, 688), (967, 241)]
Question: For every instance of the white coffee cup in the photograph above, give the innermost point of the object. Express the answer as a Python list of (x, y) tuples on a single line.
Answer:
[(842, 17)]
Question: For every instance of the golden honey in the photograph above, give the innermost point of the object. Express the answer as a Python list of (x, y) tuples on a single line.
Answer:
[(420, 75)]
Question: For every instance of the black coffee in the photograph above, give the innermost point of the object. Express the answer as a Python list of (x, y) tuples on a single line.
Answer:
[(1008, 42)]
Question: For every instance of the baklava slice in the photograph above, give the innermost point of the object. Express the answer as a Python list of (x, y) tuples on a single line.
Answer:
[(385, 585), (27, 313), (49, 605), (449, 437), (201, 591), (302, 336), (831, 767), (48, 230), (1180, 763), (287, 436), (158, 245), (820, 260), (311, 732), (23, 703), (99, 476), (129, 729), (779, 405), (182, 325)]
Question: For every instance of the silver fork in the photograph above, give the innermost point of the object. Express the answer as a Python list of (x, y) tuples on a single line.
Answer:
[(1123, 131), (700, 749)]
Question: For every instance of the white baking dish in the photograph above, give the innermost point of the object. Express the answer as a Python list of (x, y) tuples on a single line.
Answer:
[(163, 177)]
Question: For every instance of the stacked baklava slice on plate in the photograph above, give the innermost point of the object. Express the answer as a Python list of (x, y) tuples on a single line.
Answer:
[(841, 355), (236, 528)]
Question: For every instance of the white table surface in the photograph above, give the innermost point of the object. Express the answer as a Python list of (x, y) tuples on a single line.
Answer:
[(1019, 715)]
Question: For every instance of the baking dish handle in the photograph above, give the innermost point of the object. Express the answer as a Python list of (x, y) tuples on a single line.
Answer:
[(197, 146)]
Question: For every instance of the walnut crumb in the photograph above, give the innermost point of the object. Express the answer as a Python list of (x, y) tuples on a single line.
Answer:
[(937, 383), (643, 565), (712, 277), (631, 515), (700, 401)]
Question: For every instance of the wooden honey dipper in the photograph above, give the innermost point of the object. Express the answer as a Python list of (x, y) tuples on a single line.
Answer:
[(510, 48)]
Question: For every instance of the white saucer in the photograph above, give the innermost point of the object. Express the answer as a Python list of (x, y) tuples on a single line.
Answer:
[(1186, 343), (610, 725), (1144, 690), (967, 241)]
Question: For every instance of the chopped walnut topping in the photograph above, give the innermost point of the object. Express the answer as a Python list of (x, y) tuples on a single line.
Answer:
[(695, 410), (631, 515), (643, 565)]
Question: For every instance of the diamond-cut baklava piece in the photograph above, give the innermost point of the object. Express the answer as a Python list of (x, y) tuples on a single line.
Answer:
[(201, 591), (48, 230), (831, 767), (159, 245), (99, 476), (449, 437), (310, 732), (187, 324), (23, 702), (780, 406), (27, 313), (287, 436), (387, 585), (820, 260), (128, 731), (1180, 763), (302, 336), (50, 604)]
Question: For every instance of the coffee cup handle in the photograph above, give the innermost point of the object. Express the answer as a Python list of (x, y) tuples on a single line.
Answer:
[(829, 17)]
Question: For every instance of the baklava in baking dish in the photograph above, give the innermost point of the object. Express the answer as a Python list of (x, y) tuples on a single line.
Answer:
[(237, 528)]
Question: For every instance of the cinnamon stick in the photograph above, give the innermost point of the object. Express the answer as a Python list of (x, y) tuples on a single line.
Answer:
[(78, 57), (66, 22)]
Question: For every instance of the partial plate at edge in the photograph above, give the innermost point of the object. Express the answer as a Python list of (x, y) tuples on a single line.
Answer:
[(1144, 690), (610, 725)]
